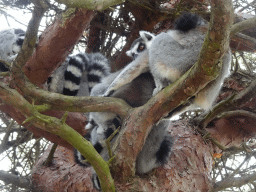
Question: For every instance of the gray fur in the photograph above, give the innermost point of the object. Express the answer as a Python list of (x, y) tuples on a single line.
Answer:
[(10, 44), (169, 56), (89, 68), (147, 159), (135, 93)]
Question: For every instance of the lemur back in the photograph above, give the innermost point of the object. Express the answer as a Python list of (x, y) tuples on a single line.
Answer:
[(173, 53), (11, 41), (170, 55), (78, 74)]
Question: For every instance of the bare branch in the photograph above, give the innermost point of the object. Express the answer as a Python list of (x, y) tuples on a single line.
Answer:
[(234, 182), (246, 24), (229, 103), (237, 113)]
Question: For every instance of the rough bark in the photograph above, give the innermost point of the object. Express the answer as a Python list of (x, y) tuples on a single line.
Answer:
[(70, 176), (55, 44)]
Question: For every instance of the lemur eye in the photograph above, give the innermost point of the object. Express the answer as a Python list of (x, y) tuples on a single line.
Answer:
[(141, 47)]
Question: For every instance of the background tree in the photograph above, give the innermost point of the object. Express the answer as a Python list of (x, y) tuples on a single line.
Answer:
[(199, 151)]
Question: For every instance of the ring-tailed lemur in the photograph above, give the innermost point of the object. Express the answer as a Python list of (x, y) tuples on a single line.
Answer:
[(157, 147), (78, 74), (11, 41), (170, 55)]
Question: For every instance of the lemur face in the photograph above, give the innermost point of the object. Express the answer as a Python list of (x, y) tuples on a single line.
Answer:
[(140, 44), (11, 41), (102, 124), (19, 41)]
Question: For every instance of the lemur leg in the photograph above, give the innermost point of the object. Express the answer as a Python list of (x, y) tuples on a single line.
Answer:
[(160, 83), (129, 73), (159, 87)]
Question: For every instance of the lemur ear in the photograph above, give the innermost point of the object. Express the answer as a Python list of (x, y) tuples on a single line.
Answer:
[(129, 53), (146, 36)]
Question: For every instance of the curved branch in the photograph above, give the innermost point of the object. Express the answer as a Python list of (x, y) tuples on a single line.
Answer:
[(229, 103), (237, 113), (195, 79), (246, 24), (91, 5), (60, 128), (73, 104)]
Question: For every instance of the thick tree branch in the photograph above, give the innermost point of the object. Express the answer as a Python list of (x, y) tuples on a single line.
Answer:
[(55, 43), (243, 42), (47, 123), (72, 104)]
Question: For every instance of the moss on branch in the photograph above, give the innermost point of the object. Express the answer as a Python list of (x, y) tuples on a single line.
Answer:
[(91, 5), (60, 128)]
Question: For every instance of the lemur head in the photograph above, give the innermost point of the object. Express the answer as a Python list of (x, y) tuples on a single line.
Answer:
[(11, 41), (19, 41), (140, 44), (102, 125)]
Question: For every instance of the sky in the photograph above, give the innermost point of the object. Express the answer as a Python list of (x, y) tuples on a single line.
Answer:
[(8, 22), (21, 22)]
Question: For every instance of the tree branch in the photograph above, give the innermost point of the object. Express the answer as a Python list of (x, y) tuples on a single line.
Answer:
[(234, 182), (229, 103), (246, 24), (47, 123), (60, 128), (91, 5), (30, 38), (55, 44)]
